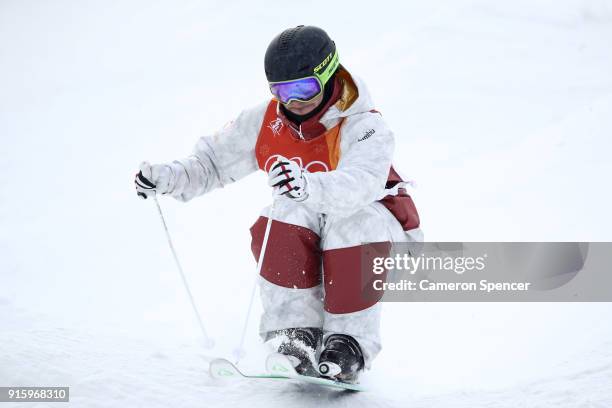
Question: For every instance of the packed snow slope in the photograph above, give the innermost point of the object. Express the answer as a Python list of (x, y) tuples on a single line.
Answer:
[(502, 113)]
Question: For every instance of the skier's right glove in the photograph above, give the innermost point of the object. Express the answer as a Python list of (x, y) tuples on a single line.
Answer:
[(152, 179), (288, 179)]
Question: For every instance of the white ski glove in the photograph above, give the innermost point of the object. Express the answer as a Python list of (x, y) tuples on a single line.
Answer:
[(152, 179), (288, 179)]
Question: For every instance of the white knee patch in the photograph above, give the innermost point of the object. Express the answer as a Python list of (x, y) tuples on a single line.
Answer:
[(286, 307)]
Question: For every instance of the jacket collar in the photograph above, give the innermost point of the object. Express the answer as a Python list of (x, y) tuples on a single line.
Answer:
[(350, 97), (311, 128)]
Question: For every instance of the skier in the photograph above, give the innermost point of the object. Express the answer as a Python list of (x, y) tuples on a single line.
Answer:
[(327, 154)]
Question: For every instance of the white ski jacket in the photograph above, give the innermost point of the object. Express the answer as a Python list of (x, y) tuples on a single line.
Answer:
[(366, 151)]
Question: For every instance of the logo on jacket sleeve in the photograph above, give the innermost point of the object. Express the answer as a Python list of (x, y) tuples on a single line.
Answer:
[(366, 135)]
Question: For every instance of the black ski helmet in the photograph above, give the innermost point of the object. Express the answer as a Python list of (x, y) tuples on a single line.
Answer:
[(299, 52)]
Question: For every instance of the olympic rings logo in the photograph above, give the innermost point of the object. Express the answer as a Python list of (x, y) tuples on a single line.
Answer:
[(310, 167)]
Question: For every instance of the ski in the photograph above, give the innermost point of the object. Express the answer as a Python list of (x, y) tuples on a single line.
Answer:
[(279, 368), (222, 368), (279, 364)]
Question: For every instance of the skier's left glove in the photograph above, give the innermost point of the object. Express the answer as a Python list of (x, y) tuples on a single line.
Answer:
[(288, 179)]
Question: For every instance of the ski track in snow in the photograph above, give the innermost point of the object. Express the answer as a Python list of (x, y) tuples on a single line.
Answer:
[(105, 370)]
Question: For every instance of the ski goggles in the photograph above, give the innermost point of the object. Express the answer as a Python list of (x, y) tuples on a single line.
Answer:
[(303, 89), (308, 88)]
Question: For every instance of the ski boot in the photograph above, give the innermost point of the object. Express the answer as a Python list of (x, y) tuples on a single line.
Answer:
[(341, 359), (300, 346)]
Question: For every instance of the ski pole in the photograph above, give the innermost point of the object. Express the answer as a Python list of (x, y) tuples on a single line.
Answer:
[(239, 352), (208, 342)]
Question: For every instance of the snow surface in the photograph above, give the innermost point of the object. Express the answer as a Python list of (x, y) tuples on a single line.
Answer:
[(503, 114)]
